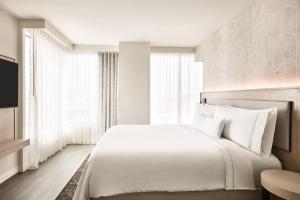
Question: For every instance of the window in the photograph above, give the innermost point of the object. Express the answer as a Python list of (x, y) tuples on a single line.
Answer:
[(62, 96), (176, 83)]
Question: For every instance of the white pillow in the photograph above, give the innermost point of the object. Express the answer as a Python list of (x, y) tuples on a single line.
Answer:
[(243, 126), (259, 129), (269, 131), (205, 110), (268, 137), (212, 126)]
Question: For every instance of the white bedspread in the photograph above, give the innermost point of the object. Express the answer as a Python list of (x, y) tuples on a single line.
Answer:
[(140, 158)]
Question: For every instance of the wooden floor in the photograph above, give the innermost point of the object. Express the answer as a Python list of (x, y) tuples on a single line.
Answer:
[(51, 177)]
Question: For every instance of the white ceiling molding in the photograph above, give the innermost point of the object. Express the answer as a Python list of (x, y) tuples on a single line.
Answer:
[(32, 23), (58, 34), (43, 24), (97, 48), (173, 50)]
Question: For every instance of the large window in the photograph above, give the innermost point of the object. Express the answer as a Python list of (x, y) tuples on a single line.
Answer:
[(62, 96), (176, 83)]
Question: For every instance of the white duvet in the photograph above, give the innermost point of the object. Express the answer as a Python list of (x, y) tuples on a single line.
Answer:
[(145, 158)]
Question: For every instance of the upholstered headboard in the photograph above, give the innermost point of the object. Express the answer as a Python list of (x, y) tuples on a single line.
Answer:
[(286, 145)]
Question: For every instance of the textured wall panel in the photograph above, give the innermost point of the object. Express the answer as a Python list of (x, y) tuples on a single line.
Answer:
[(258, 48)]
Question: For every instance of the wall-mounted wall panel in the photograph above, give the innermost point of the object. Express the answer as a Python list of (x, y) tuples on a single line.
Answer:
[(258, 48)]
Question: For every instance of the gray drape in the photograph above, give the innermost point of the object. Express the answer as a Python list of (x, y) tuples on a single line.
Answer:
[(109, 88)]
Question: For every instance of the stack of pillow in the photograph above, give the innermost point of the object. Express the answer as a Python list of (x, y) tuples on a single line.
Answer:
[(252, 129)]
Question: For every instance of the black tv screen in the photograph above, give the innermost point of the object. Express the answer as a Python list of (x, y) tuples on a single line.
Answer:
[(8, 84)]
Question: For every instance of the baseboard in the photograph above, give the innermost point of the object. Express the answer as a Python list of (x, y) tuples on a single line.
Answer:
[(8, 174)]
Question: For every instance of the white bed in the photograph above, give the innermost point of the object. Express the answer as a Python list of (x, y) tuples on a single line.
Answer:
[(171, 158)]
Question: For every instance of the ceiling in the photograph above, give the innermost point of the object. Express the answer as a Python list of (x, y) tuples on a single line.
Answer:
[(161, 22)]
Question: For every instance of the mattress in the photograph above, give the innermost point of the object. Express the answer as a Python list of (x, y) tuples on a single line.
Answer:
[(171, 158)]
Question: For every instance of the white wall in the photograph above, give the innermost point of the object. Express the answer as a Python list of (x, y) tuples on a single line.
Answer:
[(134, 83), (9, 165), (8, 35)]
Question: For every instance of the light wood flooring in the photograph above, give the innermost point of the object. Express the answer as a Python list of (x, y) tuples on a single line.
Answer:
[(51, 177)]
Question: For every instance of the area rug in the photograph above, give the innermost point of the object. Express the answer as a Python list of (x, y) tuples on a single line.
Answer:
[(68, 192)]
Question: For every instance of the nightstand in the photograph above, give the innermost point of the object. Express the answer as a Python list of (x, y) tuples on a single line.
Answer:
[(282, 183)]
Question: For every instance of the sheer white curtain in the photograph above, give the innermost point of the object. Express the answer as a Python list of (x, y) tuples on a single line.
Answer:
[(81, 97), (44, 126), (62, 98), (176, 83)]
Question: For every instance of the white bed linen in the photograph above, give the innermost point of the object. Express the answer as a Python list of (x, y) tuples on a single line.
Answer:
[(144, 158)]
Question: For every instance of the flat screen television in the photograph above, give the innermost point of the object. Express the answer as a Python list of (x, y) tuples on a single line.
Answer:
[(8, 84)]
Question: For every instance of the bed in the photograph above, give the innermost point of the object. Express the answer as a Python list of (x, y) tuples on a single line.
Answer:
[(178, 162)]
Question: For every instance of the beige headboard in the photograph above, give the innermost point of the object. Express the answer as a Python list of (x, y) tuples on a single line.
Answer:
[(286, 144)]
